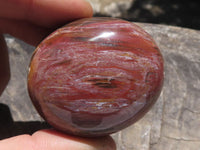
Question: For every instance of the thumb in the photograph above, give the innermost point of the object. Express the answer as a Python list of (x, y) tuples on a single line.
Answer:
[(53, 140)]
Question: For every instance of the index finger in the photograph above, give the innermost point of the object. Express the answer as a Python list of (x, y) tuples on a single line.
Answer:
[(45, 13)]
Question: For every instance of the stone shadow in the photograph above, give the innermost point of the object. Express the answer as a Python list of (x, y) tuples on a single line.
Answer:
[(9, 128)]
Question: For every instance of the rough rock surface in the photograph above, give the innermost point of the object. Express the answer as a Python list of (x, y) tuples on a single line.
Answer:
[(172, 124), (151, 11), (112, 8)]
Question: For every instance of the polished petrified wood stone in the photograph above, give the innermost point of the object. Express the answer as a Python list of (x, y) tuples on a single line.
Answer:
[(95, 76)]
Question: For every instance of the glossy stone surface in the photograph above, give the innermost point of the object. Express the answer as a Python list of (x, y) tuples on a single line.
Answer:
[(95, 76)]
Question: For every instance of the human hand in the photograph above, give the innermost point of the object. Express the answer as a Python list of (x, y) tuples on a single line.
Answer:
[(31, 21), (53, 140)]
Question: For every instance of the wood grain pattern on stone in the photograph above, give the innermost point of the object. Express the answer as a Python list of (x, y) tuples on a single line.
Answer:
[(172, 124), (92, 71)]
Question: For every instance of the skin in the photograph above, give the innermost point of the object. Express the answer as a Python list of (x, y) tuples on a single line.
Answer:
[(31, 21)]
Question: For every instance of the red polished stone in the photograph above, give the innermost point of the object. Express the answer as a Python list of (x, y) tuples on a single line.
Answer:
[(95, 76)]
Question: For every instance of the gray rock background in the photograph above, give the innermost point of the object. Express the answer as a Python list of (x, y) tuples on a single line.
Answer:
[(171, 12), (111, 8), (172, 124), (174, 121)]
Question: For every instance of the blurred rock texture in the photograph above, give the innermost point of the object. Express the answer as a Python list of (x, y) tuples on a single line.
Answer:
[(111, 8), (171, 12)]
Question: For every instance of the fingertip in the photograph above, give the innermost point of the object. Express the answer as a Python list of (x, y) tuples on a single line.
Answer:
[(89, 10)]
